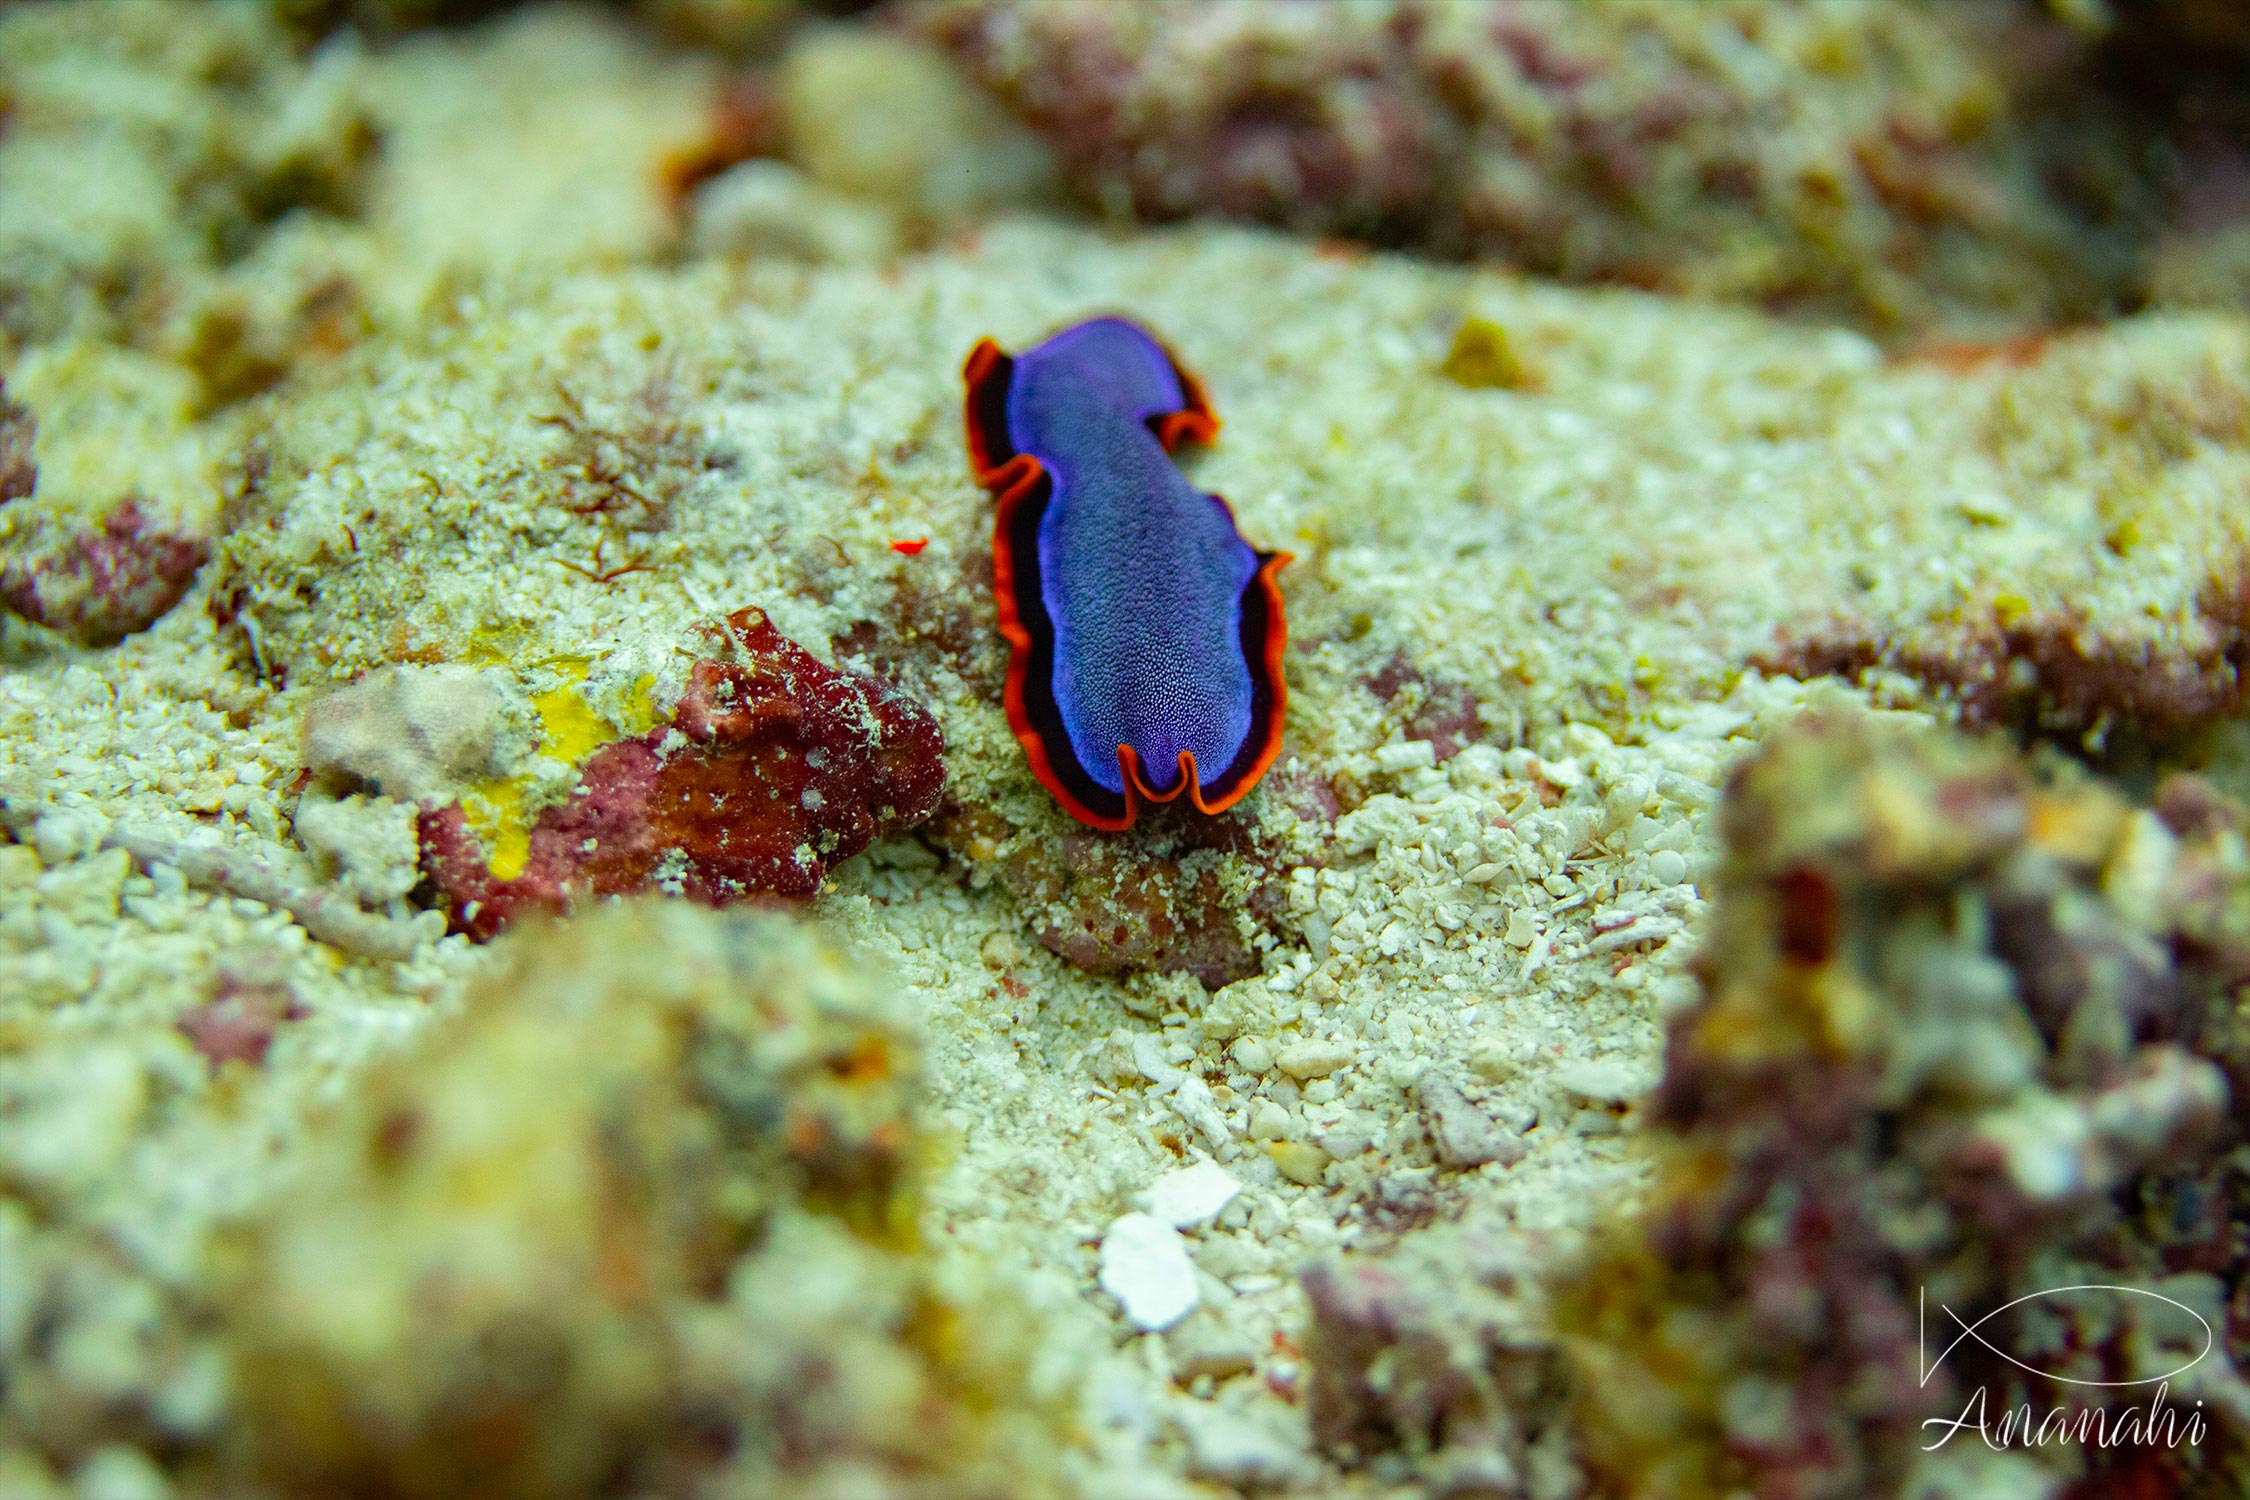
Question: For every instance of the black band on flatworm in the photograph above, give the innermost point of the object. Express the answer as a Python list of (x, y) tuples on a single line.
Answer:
[(989, 443), (1257, 635), (1039, 705)]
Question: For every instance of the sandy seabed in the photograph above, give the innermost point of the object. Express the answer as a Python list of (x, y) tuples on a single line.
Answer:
[(1565, 558)]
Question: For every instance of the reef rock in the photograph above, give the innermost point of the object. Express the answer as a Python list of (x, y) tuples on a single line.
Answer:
[(773, 768), (18, 431), (98, 582)]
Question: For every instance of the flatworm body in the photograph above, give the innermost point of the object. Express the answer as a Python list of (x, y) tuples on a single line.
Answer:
[(1145, 633)]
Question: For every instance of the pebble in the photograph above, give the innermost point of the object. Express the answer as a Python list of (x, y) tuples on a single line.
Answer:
[(1253, 1055), (1203, 1345), (1604, 1080), (1193, 1102), (1234, 1450), (1667, 867), (1314, 1059), (1145, 1266), (1409, 756), (62, 836), (1191, 1195), (1301, 1162)]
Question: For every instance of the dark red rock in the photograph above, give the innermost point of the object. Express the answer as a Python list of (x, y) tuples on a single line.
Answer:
[(773, 769), (1811, 914), (99, 584)]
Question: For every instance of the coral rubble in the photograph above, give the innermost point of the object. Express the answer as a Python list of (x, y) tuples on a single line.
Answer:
[(1437, 1348), (1172, 897)]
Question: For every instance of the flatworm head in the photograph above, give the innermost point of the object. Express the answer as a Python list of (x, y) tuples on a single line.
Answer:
[(1145, 634)]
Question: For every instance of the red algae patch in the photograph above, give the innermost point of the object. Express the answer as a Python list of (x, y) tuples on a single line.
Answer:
[(773, 768)]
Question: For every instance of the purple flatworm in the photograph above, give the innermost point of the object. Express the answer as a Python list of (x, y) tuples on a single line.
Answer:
[(1145, 633)]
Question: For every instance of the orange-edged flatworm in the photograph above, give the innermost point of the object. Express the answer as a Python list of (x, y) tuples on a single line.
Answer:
[(1145, 633)]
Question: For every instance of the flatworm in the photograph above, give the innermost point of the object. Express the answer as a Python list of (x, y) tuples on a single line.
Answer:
[(1145, 633)]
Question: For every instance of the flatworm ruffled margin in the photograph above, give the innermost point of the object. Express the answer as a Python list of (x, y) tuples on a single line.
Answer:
[(1022, 488)]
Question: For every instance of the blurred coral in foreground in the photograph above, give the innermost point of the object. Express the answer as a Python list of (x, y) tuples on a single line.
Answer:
[(626, 1227), (1968, 1033)]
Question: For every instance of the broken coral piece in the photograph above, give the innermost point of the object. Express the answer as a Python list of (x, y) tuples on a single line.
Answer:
[(207, 864), (1967, 1036), (415, 733), (1145, 1266), (773, 769), (98, 583)]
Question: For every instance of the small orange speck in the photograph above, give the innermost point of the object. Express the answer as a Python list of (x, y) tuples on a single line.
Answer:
[(911, 546), (806, 1135)]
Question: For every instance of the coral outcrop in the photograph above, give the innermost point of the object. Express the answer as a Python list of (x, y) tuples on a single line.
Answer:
[(1968, 1036)]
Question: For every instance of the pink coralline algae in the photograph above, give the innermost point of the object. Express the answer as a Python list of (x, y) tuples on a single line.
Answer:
[(99, 583), (1444, 713), (773, 769), (239, 1022)]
